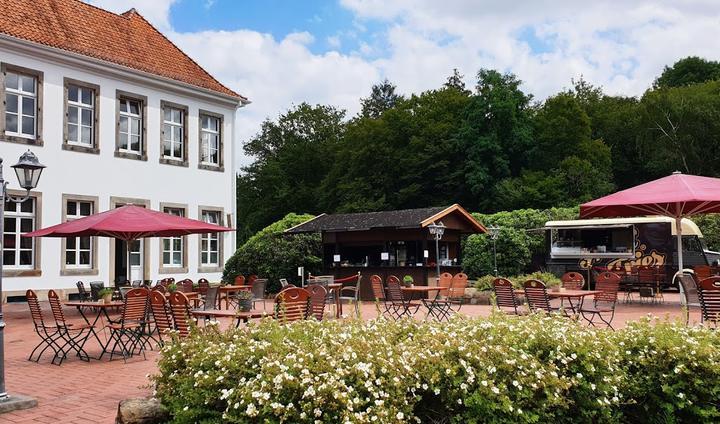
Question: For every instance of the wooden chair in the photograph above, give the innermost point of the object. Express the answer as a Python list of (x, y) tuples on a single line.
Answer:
[(318, 295), (161, 314), (702, 272), (180, 311), (537, 297), (73, 335), (128, 333), (445, 280), (160, 288), (573, 280), (647, 283), (48, 333), (292, 304), (399, 306), (709, 296), (185, 286), (351, 293), (505, 296), (378, 289), (603, 307), (456, 294), (203, 286), (239, 280)]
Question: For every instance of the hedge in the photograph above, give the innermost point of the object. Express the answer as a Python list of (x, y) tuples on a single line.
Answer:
[(501, 369)]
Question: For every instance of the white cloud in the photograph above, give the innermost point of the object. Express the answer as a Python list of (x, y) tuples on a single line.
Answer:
[(619, 45), (334, 41)]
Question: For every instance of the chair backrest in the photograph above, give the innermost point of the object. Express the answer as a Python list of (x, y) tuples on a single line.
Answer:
[(318, 294), (185, 286), (160, 288), (536, 295), (203, 286), (504, 293), (394, 290), (123, 291), (95, 287), (56, 308), (258, 288), (445, 281), (160, 311), (378, 289), (239, 280), (292, 304), (136, 283), (283, 282), (689, 287), (81, 289), (646, 275), (180, 310), (251, 278), (35, 309), (607, 276), (458, 284), (709, 295), (608, 287), (573, 280), (354, 289), (136, 305), (211, 295), (702, 272)]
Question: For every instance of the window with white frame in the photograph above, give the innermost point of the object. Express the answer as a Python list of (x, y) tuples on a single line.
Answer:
[(80, 115), (20, 105), (130, 126), (78, 250), (210, 243), (210, 140), (18, 251), (173, 133), (172, 247)]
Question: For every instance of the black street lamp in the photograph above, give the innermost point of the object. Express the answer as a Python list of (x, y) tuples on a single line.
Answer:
[(494, 232), (437, 231), (28, 170)]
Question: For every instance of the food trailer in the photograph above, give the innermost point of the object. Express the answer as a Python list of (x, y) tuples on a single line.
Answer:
[(391, 243), (621, 243)]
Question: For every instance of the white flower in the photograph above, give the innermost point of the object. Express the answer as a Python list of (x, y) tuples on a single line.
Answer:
[(484, 383), (400, 416), (495, 390), (251, 410), (681, 395)]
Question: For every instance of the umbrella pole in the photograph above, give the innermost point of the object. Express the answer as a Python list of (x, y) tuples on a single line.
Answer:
[(127, 251), (678, 230)]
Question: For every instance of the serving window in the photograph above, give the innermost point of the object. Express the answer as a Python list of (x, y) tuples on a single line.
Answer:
[(617, 241)]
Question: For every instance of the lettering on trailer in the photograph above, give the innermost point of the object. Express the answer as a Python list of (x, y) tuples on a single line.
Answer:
[(654, 258)]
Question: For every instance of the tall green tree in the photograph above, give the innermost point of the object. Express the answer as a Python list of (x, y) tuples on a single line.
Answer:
[(382, 97), (690, 70)]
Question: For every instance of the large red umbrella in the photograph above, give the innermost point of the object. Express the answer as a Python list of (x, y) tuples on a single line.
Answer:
[(677, 196), (129, 223)]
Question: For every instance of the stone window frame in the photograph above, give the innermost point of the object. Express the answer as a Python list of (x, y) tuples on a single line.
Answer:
[(221, 241), (64, 269), (186, 115), (36, 270), (120, 94), (39, 77), (95, 149), (174, 270), (220, 167)]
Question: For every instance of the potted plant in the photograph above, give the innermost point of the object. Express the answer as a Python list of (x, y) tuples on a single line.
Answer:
[(245, 300), (408, 281), (106, 294), (172, 287)]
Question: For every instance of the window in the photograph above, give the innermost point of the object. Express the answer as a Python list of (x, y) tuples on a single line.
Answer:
[(210, 243), (173, 133), (130, 125), (78, 250), (21, 105), (81, 116), (210, 140), (173, 247), (19, 252)]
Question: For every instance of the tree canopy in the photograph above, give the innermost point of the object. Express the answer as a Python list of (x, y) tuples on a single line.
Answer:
[(489, 148)]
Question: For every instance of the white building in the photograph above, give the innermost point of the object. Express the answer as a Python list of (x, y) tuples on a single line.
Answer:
[(119, 115)]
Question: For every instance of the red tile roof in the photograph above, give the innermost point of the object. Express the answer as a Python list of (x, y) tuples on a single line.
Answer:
[(126, 39)]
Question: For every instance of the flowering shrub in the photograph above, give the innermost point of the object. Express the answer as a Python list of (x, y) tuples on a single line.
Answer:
[(500, 369)]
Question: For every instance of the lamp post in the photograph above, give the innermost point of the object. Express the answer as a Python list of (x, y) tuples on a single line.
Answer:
[(494, 232), (28, 170), (437, 231)]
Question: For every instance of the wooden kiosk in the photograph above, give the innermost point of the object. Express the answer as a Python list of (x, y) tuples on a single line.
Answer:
[(391, 243)]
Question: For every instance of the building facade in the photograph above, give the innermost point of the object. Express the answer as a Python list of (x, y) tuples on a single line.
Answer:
[(112, 130)]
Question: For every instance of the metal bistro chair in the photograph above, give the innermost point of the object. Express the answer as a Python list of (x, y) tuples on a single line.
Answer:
[(48, 333), (318, 296), (573, 280), (185, 286), (73, 335), (161, 314), (128, 333), (505, 296), (84, 295), (378, 290), (537, 297), (203, 286), (603, 308), (292, 304), (688, 291), (95, 287), (258, 288), (709, 295), (400, 306), (180, 310), (351, 293)]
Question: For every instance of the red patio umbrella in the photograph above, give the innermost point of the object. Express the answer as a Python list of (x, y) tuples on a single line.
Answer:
[(129, 223), (677, 196)]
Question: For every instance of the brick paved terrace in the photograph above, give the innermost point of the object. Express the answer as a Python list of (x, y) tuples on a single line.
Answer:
[(81, 392)]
